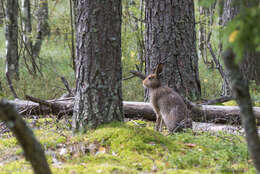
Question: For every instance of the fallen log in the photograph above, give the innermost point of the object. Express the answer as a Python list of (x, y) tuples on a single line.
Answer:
[(203, 113)]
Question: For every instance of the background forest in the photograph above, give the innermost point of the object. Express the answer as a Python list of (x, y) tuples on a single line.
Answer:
[(131, 146), (55, 61)]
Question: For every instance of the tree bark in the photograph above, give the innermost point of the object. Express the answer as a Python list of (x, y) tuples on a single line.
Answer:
[(11, 35), (98, 97), (27, 31), (27, 25), (241, 91), (171, 39), (250, 68), (43, 28), (2, 13), (32, 148), (32, 48)]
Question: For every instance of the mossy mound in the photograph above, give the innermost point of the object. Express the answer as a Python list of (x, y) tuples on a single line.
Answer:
[(131, 147)]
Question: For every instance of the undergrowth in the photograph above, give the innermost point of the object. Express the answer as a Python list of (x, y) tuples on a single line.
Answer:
[(130, 147)]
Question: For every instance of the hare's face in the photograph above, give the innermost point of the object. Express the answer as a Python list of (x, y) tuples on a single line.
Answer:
[(151, 81)]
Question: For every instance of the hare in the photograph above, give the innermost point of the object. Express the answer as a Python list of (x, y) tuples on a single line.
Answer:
[(167, 104)]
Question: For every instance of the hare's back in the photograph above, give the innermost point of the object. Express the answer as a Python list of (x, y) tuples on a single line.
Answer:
[(171, 101)]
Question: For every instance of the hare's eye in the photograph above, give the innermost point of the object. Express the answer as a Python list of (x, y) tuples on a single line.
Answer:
[(150, 78)]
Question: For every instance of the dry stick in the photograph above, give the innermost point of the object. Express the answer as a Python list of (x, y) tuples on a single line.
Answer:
[(218, 66), (241, 91), (32, 148), (218, 100), (138, 74), (10, 84), (130, 77), (66, 84)]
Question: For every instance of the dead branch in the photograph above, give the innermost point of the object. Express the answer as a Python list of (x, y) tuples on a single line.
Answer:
[(218, 100), (32, 148), (66, 84), (138, 74)]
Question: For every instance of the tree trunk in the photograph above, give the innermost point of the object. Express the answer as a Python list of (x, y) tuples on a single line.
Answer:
[(2, 13), (251, 63), (11, 35), (241, 91), (98, 64), (27, 25), (43, 28), (171, 39), (27, 32)]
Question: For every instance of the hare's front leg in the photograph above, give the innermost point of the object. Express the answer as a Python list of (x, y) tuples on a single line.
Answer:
[(158, 124)]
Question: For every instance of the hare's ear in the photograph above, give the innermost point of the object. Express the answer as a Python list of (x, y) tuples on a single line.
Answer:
[(158, 69)]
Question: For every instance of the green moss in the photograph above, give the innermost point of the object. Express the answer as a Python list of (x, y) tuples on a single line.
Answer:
[(133, 147), (8, 143), (18, 166), (230, 103), (50, 138)]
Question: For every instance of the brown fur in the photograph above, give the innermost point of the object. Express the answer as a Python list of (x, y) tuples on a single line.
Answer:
[(167, 104)]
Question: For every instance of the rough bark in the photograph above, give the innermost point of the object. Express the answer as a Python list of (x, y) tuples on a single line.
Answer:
[(32, 46), (241, 91), (26, 32), (203, 113), (98, 64), (32, 148), (43, 29), (2, 15), (11, 35), (171, 39), (250, 68)]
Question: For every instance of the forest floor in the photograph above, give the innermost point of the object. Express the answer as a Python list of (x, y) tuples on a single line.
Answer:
[(129, 147)]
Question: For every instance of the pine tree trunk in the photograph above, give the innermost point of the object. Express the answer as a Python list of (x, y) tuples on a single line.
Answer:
[(251, 63), (98, 63), (43, 29), (241, 92), (2, 11), (11, 35), (171, 38)]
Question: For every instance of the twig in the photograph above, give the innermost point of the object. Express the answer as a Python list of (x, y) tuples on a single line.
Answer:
[(66, 84), (10, 84), (218, 65), (218, 100), (138, 74), (130, 77)]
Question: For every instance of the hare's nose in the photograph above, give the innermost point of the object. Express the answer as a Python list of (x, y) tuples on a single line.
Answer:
[(144, 85)]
